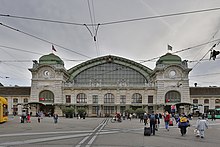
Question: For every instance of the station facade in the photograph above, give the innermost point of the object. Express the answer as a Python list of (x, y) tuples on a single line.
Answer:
[(108, 84)]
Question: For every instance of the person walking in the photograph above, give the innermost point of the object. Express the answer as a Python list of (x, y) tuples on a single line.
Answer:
[(167, 120), (183, 123), (152, 118), (28, 118), (145, 118), (55, 118), (213, 116), (201, 126)]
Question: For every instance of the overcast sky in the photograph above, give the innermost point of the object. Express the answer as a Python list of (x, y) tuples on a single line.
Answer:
[(136, 40)]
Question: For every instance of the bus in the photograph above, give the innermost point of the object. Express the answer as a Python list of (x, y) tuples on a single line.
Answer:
[(215, 111), (3, 110)]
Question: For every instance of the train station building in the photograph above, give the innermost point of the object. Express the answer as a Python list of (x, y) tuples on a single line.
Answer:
[(110, 84)]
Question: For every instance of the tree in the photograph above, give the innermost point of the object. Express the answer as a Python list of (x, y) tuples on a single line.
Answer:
[(68, 111), (81, 112), (139, 111)]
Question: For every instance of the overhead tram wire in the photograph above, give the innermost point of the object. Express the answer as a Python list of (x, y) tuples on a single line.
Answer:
[(185, 49), (160, 16), (33, 36), (112, 22), (213, 36), (19, 49)]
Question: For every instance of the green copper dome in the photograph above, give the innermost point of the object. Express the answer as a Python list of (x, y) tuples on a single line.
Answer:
[(50, 59), (169, 59)]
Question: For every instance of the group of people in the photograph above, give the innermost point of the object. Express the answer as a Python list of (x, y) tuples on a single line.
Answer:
[(182, 121), (27, 117)]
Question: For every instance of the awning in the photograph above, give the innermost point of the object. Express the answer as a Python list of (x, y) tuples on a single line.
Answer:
[(183, 104)]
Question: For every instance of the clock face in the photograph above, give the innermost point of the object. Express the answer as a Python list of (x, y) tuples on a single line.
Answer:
[(46, 73), (172, 73)]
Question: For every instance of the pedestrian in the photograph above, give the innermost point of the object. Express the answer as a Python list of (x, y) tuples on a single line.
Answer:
[(167, 120), (213, 115), (55, 118), (145, 118), (152, 118), (141, 117), (183, 123), (157, 122), (201, 126), (28, 118)]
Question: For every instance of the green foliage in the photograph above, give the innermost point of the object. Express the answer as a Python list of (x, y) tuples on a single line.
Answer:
[(139, 111), (81, 111), (68, 110), (129, 111)]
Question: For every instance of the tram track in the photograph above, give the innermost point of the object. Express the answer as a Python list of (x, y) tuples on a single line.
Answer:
[(90, 138)]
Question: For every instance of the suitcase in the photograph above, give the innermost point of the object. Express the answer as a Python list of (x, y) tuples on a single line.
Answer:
[(147, 131), (171, 123)]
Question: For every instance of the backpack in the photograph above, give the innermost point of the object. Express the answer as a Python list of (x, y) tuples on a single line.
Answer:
[(183, 119), (152, 117)]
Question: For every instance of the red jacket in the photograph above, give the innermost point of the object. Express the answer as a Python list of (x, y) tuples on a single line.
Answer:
[(167, 118)]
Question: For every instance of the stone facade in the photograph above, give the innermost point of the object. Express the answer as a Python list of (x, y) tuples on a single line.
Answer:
[(109, 84)]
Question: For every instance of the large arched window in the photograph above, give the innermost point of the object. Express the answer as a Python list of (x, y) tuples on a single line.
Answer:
[(110, 74), (136, 98), (109, 98), (81, 98), (172, 97), (46, 96)]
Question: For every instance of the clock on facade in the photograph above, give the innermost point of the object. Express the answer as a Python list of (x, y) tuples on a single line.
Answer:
[(172, 73), (46, 73)]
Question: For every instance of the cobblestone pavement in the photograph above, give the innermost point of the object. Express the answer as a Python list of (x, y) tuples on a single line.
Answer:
[(96, 132)]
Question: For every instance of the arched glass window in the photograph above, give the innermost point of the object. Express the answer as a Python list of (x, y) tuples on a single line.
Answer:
[(195, 101), (81, 98), (136, 98), (46, 96), (172, 97), (217, 101), (206, 101), (110, 74), (109, 98)]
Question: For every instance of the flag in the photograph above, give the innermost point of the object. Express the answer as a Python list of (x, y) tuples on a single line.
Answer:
[(169, 48), (53, 48)]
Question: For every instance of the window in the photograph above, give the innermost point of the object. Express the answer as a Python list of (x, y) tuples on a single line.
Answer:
[(195, 101), (108, 110), (46, 96), (25, 100), (150, 99), (122, 99), (206, 101), (68, 98), (136, 98), (172, 97), (95, 109), (15, 100), (81, 98), (217, 101), (95, 99), (109, 98), (110, 74)]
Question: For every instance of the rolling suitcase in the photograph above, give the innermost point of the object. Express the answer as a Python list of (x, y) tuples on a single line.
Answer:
[(171, 123), (147, 131)]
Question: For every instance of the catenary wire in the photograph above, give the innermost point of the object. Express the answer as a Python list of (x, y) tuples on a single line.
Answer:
[(112, 22), (33, 36)]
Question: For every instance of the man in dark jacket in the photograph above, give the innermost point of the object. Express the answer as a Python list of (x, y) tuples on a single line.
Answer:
[(152, 118)]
